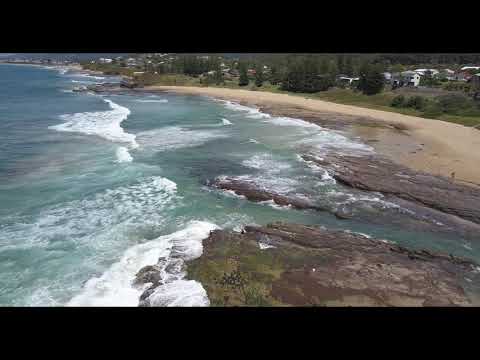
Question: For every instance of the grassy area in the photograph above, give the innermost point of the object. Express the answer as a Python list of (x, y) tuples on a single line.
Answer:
[(380, 101)]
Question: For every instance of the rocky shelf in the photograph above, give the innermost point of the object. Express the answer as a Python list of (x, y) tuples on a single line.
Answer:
[(292, 264), (374, 173)]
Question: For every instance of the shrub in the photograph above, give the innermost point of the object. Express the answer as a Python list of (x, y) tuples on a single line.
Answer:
[(453, 103), (457, 86), (398, 101), (432, 110), (417, 102)]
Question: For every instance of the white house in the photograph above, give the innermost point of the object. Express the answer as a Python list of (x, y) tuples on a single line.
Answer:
[(470, 68), (422, 72), (448, 74), (407, 78), (347, 79), (105, 60)]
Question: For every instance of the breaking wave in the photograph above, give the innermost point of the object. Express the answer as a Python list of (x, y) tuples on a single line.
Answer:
[(123, 155), (105, 124), (175, 137), (116, 286), (152, 101)]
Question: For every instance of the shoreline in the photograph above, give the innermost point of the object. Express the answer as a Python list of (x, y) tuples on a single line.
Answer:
[(431, 146)]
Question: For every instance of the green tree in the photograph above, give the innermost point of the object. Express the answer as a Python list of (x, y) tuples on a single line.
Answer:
[(340, 63), (323, 68), (218, 76), (348, 67), (259, 75), (243, 79), (417, 102), (274, 75), (398, 101), (333, 69), (371, 79)]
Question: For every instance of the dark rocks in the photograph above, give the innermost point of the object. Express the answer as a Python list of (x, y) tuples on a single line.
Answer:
[(373, 173), (256, 194), (391, 210), (149, 274), (311, 265)]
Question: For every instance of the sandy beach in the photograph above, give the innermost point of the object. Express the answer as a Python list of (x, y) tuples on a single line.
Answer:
[(432, 146)]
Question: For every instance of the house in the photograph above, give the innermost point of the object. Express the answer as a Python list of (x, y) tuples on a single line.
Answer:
[(406, 78), (105, 60), (448, 74), (475, 81), (462, 76), (235, 72), (346, 80), (387, 76), (470, 68), (131, 62), (422, 72)]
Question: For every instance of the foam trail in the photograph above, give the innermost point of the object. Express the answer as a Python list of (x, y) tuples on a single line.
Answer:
[(226, 122), (116, 288), (287, 121), (174, 137), (253, 113), (152, 101), (105, 124), (266, 161), (123, 155)]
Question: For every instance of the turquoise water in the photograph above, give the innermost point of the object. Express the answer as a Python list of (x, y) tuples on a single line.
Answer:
[(94, 187)]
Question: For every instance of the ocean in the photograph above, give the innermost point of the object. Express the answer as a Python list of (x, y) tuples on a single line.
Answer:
[(94, 187)]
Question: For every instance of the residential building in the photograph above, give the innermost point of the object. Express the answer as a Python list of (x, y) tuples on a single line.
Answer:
[(406, 78), (422, 72), (475, 80), (346, 80), (470, 68), (447, 74), (105, 60), (463, 76)]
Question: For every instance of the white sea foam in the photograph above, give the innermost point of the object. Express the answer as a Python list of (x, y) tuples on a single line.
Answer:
[(317, 137), (271, 182), (106, 124), (152, 101), (266, 162), (89, 76), (274, 205), (252, 112), (288, 121), (264, 246), (174, 137), (116, 286), (226, 122), (328, 140), (467, 246), (232, 194), (94, 219), (123, 155)]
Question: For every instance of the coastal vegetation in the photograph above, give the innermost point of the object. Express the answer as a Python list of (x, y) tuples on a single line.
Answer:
[(354, 79)]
